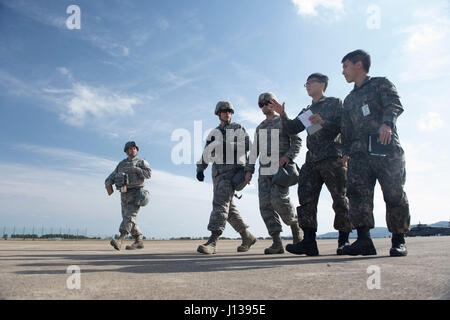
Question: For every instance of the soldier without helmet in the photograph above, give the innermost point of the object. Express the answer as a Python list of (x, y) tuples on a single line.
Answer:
[(373, 151), (129, 176), (324, 164)]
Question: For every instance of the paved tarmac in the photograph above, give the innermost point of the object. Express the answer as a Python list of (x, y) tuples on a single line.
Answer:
[(174, 270)]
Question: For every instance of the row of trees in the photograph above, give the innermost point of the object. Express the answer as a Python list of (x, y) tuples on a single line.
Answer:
[(46, 236)]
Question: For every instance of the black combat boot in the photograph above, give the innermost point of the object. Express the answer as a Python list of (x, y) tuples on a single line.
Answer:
[(362, 246), (342, 242), (307, 246), (398, 245)]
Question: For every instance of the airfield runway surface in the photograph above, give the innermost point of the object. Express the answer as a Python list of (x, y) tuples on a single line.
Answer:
[(172, 269)]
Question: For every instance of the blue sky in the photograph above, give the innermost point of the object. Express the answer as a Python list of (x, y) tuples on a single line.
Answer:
[(139, 70)]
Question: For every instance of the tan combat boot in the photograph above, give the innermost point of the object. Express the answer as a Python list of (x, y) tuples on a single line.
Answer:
[(297, 233), (247, 241), (137, 244), (117, 244), (210, 246), (277, 245)]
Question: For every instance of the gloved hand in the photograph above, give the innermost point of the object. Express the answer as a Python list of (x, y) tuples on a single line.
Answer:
[(200, 176)]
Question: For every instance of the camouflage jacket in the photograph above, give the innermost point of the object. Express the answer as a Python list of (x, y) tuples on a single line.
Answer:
[(137, 170), (326, 142), (288, 144), (366, 108), (225, 144)]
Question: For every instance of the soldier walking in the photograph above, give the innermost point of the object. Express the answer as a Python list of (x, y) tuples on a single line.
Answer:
[(372, 148), (230, 144), (274, 199), (129, 176), (324, 164)]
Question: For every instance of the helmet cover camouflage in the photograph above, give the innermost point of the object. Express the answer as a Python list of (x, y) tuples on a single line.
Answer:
[(130, 144), (223, 105), (264, 98)]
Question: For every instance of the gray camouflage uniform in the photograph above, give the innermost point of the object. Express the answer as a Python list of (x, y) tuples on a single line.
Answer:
[(274, 200), (224, 208), (137, 170), (366, 108)]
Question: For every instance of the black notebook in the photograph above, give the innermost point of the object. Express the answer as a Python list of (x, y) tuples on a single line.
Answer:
[(376, 148)]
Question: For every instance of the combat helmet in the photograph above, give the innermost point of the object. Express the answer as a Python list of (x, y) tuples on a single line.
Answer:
[(130, 144), (264, 98), (223, 105)]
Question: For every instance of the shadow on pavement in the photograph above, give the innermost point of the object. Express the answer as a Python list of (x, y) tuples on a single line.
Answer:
[(172, 262)]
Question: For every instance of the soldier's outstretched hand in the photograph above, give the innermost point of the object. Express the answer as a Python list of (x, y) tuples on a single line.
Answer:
[(278, 108)]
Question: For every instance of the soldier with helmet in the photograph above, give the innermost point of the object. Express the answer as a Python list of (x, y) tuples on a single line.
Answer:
[(274, 199), (129, 177), (227, 145)]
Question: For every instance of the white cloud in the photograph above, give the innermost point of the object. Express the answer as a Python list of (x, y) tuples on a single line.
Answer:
[(430, 122), (427, 47), (311, 7), (97, 102)]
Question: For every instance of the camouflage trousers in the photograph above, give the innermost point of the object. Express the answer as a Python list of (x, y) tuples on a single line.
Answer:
[(274, 203), (224, 208), (313, 175), (129, 213), (363, 172)]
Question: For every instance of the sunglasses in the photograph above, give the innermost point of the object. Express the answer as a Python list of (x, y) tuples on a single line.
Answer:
[(227, 111), (264, 103)]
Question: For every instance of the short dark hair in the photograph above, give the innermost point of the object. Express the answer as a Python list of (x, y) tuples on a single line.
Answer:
[(321, 77), (358, 55)]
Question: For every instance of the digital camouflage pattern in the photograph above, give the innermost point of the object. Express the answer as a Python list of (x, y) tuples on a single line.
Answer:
[(323, 165), (327, 141), (313, 175), (129, 212), (137, 170), (274, 200), (224, 208), (384, 106)]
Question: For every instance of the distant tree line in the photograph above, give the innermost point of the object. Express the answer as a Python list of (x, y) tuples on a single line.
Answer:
[(48, 236)]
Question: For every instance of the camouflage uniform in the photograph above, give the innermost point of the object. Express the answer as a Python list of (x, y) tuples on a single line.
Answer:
[(274, 200), (323, 165), (364, 169), (224, 208), (137, 170)]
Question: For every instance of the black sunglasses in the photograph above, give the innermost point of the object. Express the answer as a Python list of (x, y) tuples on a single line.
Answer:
[(264, 103)]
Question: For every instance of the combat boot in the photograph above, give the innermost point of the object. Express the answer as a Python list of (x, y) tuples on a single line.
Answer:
[(307, 246), (117, 244), (362, 246), (247, 241), (137, 244), (398, 245), (342, 242), (277, 245), (297, 233), (210, 246)]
